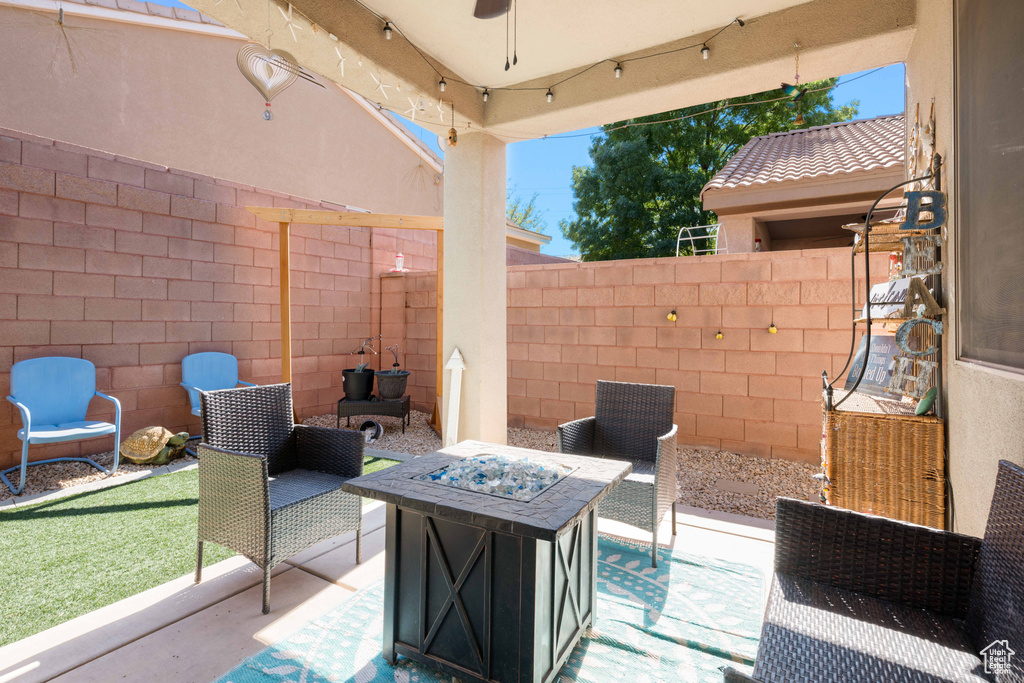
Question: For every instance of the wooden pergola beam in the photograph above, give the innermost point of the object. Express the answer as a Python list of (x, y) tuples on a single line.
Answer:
[(350, 219)]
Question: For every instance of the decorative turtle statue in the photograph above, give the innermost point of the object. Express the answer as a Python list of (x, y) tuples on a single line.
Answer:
[(153, 446)]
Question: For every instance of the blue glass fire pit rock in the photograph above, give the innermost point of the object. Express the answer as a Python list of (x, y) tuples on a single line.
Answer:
[(499, 475)]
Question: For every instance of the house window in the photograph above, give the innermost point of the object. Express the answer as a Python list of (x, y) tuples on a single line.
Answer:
[(990, 181)]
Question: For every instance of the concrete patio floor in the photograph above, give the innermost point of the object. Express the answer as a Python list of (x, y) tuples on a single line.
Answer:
[(182, 632)]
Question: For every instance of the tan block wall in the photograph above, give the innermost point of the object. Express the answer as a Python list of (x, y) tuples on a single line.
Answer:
[(133, 266), (750, 392)]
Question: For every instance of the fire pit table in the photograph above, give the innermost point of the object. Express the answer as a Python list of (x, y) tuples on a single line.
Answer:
[(490, 562)]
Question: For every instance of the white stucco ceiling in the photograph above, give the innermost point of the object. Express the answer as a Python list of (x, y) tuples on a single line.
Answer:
[(558, 39), (555, 35)]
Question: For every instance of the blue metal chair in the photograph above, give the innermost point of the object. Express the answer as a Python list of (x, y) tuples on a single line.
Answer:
[(53, 394), (210, 371)]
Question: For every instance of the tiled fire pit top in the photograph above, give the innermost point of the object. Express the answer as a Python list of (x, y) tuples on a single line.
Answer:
[(499, 475), (551, 510)]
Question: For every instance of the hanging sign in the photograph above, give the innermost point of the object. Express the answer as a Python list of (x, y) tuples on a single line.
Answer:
[(887, 298), (878, 368)]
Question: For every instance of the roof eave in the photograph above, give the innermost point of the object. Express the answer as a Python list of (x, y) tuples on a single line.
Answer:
[(823, 189)]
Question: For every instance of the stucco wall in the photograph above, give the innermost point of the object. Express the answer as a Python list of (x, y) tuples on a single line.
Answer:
[(571, 324), (985, 407), (133, 266), (176, 98)]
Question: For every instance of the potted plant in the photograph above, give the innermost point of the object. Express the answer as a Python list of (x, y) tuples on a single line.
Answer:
[(391, 383), (358, 381)]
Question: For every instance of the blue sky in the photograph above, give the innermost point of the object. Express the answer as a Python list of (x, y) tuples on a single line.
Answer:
[(545, 166)]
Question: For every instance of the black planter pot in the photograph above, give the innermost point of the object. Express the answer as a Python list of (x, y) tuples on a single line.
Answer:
[(391, 385), (358, 385)]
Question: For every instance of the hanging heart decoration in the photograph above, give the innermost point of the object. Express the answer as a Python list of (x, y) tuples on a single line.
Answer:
[(269, 71)]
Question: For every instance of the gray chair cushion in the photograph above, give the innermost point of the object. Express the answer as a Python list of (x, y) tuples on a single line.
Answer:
[(816, 633), (295, 486)]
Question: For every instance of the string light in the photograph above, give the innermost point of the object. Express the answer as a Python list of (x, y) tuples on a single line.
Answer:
[(487, 94), (388, 26), (704, 52), (442, 82)]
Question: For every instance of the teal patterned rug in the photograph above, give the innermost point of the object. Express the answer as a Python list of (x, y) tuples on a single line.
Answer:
[(681, 622)]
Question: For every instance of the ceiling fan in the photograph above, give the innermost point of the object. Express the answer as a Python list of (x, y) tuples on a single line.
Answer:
[(489, 9)]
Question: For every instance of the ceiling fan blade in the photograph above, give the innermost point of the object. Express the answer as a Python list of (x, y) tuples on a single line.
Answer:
[(489, 9)]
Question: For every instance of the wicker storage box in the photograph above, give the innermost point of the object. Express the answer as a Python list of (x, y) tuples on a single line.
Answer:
[(888, 465)]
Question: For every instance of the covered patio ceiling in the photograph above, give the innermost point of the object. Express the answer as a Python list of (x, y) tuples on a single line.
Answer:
[(572, 48)]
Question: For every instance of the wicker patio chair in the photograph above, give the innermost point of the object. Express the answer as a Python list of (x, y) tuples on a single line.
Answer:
[(632, 422), (269, 488), (862, 598)]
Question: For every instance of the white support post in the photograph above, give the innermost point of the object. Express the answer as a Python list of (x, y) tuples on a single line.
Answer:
[(474, 282)]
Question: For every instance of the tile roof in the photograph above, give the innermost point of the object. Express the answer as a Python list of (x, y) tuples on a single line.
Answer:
[(833, 150)]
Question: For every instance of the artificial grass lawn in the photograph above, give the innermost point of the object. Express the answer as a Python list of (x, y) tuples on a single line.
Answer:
[(68, 557)]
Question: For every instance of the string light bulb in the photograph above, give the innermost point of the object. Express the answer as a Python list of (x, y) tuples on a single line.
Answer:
[(442, 84), (772, 329), (718, 335), (387, 30), (618, 71), (487, 94), (550, 95), (671, 316), (704, 52)]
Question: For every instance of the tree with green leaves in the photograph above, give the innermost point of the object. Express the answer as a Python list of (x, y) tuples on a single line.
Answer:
[(647, 174), (524, 213)]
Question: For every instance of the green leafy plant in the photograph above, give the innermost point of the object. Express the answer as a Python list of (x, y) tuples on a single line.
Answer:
[(644, 181)]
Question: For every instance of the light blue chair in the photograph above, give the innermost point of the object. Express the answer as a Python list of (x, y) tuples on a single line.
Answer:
[(210, 371), (53, 394)]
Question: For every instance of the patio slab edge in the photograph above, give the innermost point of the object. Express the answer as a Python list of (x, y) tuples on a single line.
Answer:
[(727, 522)]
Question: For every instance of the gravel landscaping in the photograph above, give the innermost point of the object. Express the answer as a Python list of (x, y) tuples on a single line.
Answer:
[(64, 475), (713, 480), (742, 484)]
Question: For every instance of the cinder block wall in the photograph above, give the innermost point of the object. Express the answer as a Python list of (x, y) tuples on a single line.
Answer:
[(751, 392), (133, 266)]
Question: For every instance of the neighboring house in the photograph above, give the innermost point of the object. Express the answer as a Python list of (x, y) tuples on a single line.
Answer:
[(795, 190), (161, 85)]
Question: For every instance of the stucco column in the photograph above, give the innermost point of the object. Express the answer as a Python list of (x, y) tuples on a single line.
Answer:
[(474, 282)]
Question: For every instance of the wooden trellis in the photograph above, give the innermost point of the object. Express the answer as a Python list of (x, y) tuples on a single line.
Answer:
[(350, 219)]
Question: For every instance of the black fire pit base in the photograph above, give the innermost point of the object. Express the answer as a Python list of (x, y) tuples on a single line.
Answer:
[(484, 605)]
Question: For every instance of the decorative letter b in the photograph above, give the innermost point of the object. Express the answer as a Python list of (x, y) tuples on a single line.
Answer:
[(936, 207)]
